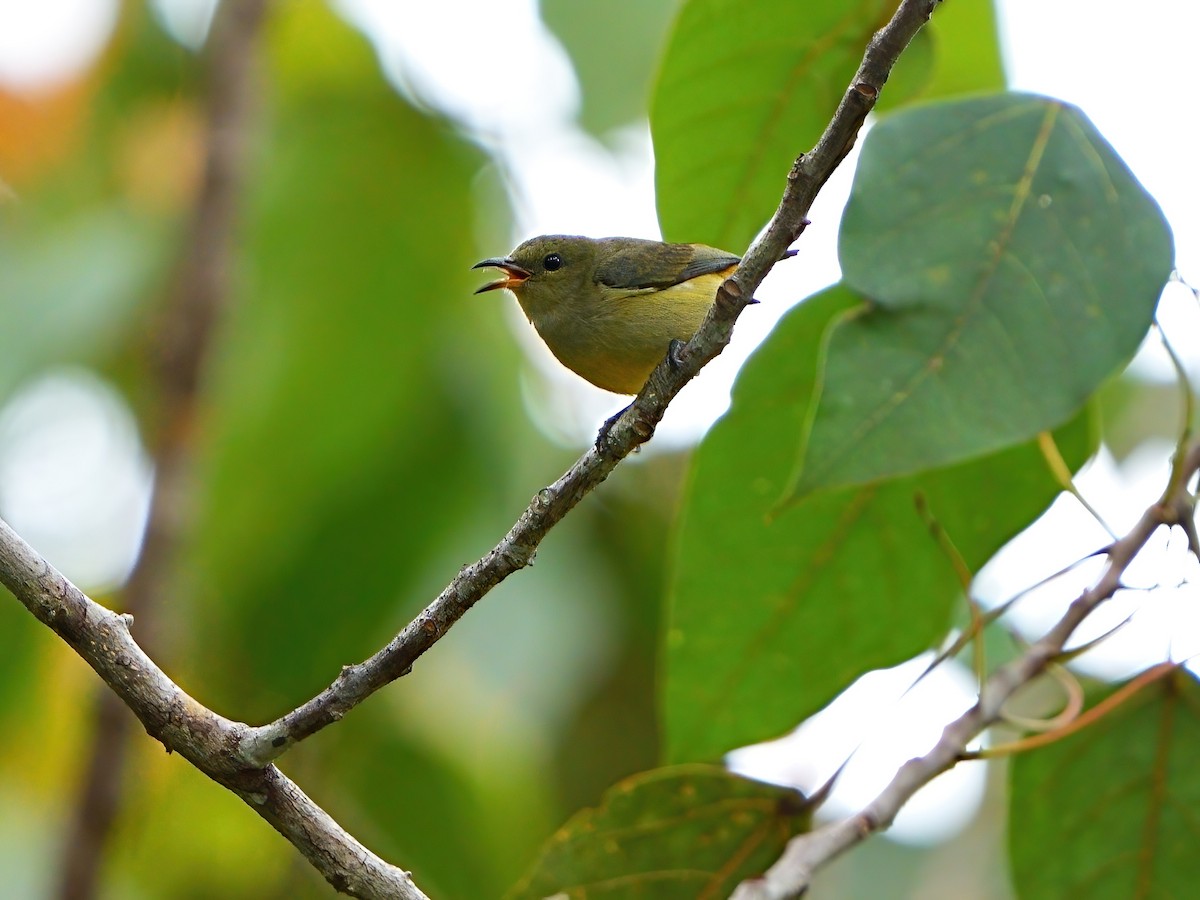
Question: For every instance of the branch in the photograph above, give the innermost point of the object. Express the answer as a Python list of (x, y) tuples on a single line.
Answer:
[(632, 428), (792, 874), (206, 740)]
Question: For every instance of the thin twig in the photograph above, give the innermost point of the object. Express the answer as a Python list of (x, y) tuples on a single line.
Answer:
[(1061, 473), (1063, 727), (792, 874)]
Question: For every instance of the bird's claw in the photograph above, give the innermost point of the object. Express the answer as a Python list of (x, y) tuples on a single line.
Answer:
[(675, 353), (602, 436)]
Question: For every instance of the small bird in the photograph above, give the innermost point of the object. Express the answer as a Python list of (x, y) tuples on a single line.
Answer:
[(610, 308)]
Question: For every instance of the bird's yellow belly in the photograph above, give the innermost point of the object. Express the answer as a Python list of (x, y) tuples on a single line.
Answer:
[(623, 338)]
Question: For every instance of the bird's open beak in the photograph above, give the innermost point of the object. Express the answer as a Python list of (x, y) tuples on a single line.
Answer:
[(514, 275)]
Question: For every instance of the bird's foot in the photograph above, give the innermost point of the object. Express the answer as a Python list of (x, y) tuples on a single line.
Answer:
[(602, 436), (675, 353)]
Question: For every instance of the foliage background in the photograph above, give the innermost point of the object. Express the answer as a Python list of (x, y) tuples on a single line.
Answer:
[(364, 433)]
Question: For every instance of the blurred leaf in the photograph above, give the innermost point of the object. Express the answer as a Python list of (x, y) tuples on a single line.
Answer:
[(614, 46), (614, 731), (773, 613), (55, 144), (1111, 811), (21, 637), (406, 802), (313, 51), (85, 244), (341, 448), (1008, 254), (910, 75), (36, 133), (148, 65), (1137, 411), (144, 73), (743, 90), (682, 832), (68, 292), (182, 837), (966, 50)]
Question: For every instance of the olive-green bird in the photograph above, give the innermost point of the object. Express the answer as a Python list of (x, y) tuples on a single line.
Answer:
[(609, 308)]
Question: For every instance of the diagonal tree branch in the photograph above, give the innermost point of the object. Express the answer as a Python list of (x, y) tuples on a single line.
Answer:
[(792, 874)]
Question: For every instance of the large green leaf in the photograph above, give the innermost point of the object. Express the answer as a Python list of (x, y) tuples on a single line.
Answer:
[(1111, 812), (774, 612), (744, 89), (682, 832), (1012, 263)]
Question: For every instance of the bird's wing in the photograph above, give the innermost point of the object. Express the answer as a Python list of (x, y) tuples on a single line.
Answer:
[(635, 266)]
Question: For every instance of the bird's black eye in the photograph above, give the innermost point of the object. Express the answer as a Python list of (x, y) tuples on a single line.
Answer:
[(552, 262)]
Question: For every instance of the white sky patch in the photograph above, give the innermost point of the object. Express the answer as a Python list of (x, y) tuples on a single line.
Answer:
[(48, 42), (490, 64), (1163, 605), (1132, 76), (878, 724), (1179, 318), (187, 21), (74, 480)]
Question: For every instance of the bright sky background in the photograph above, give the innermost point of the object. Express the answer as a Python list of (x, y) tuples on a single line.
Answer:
[(1130, 71)]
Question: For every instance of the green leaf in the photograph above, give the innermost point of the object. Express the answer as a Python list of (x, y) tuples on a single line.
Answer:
[(390, 773), (744, 89), (69, 292), (773, 613), (23, 637), (682, 832), (1012, 263), (911, 74), (614, 46), (966, 50), (1112, 810)]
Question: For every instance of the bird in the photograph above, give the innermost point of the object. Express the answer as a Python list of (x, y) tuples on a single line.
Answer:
[(611, 308)]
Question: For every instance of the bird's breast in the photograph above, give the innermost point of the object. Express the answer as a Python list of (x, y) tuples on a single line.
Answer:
[(616, 339)]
